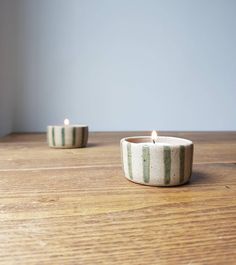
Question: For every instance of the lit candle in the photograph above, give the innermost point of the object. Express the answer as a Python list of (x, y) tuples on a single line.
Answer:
[(157, 160), (154, 136), (67, 136)]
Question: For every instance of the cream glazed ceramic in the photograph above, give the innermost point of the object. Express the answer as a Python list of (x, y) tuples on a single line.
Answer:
[(67, 136), (168, 162)]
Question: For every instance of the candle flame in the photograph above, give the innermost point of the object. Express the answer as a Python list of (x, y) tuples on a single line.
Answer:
[(66, 122), (154, 136)]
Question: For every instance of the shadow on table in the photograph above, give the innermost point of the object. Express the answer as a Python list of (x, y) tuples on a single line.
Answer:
[(92, 145), (199, 177)]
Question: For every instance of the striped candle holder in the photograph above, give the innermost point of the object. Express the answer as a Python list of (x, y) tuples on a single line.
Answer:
[(167, 162), (67, 136)]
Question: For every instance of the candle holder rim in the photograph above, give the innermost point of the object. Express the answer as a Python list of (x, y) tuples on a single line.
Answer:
[(184, 141), (69, 125)]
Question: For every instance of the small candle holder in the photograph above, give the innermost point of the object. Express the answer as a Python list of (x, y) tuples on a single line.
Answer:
[(67, 136), (163, 161)]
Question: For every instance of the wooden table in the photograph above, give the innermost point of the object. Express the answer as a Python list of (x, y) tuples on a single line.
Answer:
[(75, 207)]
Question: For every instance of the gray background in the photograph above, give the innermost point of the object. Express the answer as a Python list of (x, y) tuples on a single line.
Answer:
[(118, 64)]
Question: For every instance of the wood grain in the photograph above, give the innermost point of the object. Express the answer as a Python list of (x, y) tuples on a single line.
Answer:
[(75, 206)]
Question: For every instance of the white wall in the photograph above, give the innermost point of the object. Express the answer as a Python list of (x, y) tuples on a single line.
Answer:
[(7, 65), (127, 64)]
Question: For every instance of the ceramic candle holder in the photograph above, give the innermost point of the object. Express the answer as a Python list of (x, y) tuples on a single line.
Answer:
[(67, 136), (167, 162)]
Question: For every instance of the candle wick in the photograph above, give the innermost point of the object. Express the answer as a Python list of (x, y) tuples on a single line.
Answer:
[(153, 141)]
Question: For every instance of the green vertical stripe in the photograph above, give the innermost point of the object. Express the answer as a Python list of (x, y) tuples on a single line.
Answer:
[(63, 136), (167, 163), (82, 136), (53, 137), (146, 164), (191, 160), (129, 160), (181, 163), (74, 136), (85, 135)]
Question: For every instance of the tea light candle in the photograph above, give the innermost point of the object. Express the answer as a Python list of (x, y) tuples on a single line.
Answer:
[(67, 136), (157, 161)]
